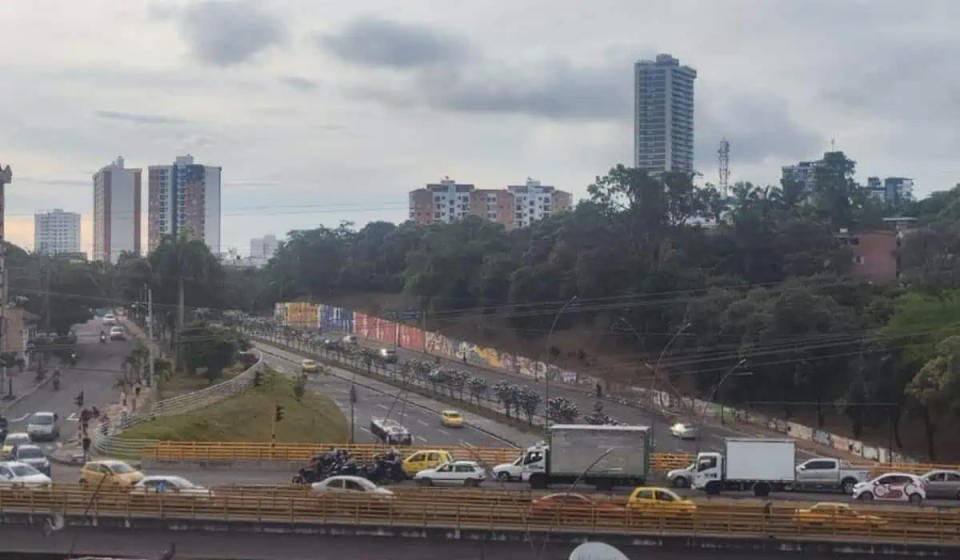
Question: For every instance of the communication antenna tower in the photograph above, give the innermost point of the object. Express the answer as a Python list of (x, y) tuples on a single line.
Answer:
[(723, 159)]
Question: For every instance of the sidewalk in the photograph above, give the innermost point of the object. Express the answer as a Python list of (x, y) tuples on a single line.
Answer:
[(22, 384)]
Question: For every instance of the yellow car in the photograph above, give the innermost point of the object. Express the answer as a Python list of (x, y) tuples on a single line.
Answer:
[(451, 419), (309, 366), (112, 473), (835, 514), (426, 459), (15, 439), (658, 501)]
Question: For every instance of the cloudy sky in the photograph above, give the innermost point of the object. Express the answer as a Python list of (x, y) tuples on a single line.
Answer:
[(321, 111)]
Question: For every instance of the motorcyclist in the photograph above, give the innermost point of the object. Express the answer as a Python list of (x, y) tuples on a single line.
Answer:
[(56, 379), (103, 336)]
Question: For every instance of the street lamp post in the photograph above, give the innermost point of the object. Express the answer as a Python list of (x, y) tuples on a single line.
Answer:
[(716, 389), (546, 402)]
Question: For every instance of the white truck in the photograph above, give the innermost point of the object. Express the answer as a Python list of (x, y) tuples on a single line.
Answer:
[(603, 456), (758, 464), (826, 473)]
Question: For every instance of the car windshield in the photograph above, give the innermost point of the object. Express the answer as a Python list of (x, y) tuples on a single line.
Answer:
[(41, 419), (121, 468), (17, 440), (30, 453), (24, 470)]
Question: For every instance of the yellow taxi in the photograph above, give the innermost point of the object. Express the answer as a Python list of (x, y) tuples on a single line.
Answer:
[(426, 459), (652, 500), (835, 514), (309, 366), (111, 472), (451, 419), (15, 439)]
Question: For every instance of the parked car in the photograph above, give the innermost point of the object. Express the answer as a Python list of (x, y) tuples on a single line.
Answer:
[(827, 473), (681, 478), (109, 319), (833, 514), (309, 366), (658, 501), (13, 440), (451, 419), (388, 355), (569, 501), (31, 455), (111, 473), (15, 473), (167, 484), (892, 487), (116, 333), (425, 459), (390, 431), (684, 431), (942, 484), (350, 339), (467, 473), (43, 425), (346, 484)]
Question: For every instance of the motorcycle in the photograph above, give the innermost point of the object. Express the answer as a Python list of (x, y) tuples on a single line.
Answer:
[(73, 359), (103, 338)]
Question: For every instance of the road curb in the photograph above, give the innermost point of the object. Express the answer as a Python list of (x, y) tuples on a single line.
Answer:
[(37, 387), (424, 407)]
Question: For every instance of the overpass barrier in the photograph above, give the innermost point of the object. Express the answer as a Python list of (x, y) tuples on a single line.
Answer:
[(474, 509)]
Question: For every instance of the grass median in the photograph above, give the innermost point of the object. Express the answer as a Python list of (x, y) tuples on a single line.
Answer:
[(249, 416)]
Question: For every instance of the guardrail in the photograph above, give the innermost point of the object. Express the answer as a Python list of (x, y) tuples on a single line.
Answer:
[(427, 508)]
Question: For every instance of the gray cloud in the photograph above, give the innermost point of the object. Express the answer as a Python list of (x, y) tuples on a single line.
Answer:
[(299, 82), (757, 126), (226, 33), (371, 41), (139, 118)]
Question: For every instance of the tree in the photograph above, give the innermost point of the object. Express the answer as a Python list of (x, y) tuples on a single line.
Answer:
[(210, 348), (504, 394), (935, 390), (478, 388), (529, 401), (562, 410)]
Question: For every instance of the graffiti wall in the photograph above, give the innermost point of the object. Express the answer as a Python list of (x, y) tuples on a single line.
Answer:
[(334, 318), (376, 328)]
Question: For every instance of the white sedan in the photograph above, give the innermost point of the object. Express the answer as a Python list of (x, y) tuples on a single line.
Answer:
[(467, 473), (14, 473), (349, 485), (684, 431), (892, 487), (170, 485)]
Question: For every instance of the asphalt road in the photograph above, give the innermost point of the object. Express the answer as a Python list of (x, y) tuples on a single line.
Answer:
[(98, 367), (423, 424)]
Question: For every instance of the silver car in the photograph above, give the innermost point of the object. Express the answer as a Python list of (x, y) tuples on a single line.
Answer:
[(942, 484), (33, 456), (43, 425)]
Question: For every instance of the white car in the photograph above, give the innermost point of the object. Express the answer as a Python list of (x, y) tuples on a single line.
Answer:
[(681, 478), (116, 333), (350, 339), (349, 485), (684, 431), (15, 473), (31, 455), (506, 472), (466, 473), (109, 319), (43, 425), (893, 487), (166, 484)]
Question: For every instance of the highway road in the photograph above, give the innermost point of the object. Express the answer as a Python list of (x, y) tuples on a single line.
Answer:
[(98, 367)]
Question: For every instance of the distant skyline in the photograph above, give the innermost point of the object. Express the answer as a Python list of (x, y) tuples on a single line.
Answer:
[(322, 111)]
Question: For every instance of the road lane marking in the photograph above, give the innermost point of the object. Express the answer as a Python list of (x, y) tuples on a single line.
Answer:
[(423, 439), (366, 430), (422, 423), (383, 406), (73, 417), (21, 419), (442, 431)]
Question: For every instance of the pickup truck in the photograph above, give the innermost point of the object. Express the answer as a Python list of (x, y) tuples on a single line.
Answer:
[(824, 473)]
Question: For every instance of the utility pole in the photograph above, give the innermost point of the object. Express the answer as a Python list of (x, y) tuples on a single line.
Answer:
[(5, 177), (150, 332)]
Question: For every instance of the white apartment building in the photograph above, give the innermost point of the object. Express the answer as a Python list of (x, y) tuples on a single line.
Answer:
[(663, 115), (56, 232), (533, 201), (184, 197), (116, 211)]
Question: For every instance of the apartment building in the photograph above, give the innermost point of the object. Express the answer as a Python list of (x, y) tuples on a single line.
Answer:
[(56, 232), (184, 198), (663, 115), (116, 211), (515, 206)]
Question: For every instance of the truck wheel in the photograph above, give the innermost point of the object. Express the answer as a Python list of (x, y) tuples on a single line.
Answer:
[(538, 481), (761, 489), (916, 499), (713, 488), (680, 482), (847, 485)]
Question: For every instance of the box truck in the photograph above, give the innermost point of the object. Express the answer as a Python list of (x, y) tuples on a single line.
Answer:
[(758, 464), (600, 456)]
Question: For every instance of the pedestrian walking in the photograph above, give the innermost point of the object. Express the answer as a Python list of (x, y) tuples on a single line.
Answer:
[(123, 398), (599, 390)]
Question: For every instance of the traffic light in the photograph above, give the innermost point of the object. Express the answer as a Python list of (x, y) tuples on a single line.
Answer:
[(79, 400), (279, 413)]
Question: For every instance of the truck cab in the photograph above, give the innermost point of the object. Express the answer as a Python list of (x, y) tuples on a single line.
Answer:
[(708, 468), (533, 460)]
